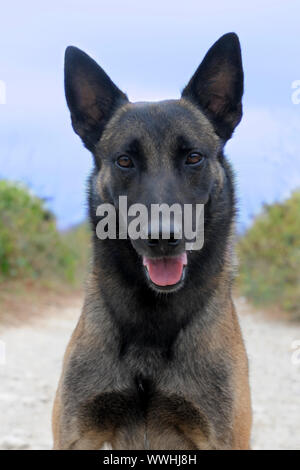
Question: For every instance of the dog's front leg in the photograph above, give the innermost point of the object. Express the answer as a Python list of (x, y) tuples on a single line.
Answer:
[(70, 438), (91, 440), (70, 434)]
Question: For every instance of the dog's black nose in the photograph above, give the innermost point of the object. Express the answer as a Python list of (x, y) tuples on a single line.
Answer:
[(162, 240)]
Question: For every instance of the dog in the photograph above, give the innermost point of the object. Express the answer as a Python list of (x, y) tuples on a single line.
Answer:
[(157, 360)]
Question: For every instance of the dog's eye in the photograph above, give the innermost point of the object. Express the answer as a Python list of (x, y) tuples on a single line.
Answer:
[(194, 158), (124, 162)]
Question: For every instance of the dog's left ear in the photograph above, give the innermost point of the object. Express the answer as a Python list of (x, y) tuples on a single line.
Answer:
[(218, 83)]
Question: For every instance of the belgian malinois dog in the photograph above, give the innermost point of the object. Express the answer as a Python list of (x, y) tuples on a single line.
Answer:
[(157, 360)]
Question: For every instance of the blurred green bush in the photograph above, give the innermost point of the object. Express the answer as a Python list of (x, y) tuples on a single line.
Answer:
[(30, 244), (269, 255)]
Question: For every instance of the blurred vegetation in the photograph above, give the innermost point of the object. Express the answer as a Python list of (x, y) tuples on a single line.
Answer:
[(31, 247), (269, 255)]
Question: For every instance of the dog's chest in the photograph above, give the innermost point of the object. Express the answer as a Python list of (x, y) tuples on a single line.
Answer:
[(145, 417), (146, 400), (154, 413)]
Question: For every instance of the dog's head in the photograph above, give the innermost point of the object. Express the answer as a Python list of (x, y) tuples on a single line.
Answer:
[(165, 152)]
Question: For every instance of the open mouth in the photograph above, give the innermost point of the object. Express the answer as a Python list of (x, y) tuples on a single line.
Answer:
[(166, 273)]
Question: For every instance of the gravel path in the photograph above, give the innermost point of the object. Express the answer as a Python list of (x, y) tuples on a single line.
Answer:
[(34, 353)]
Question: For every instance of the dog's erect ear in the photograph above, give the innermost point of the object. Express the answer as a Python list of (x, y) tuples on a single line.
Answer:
[(218, 83), (91, 95)]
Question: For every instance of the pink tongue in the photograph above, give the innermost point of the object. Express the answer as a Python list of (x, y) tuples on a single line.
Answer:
[(165, 271)]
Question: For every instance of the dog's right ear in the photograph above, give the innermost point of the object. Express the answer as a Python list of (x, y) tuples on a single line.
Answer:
[(218, 83), (91, 95)]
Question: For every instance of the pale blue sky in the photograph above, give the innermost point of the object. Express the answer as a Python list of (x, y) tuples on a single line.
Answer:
[(150, 51)]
